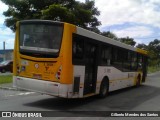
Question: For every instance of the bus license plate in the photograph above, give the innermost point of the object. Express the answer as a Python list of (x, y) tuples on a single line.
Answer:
[(37, 76)]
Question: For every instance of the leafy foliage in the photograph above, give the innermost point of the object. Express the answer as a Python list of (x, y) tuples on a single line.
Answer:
[(127, 40), (80, 14), (110, 35), (153, 49), (142, 46), (154, 52)]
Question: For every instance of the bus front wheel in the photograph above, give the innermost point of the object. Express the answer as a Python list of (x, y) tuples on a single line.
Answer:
[(104, 88)]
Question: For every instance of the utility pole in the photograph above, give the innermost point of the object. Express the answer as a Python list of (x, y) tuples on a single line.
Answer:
[(4, 56), (4, 45)]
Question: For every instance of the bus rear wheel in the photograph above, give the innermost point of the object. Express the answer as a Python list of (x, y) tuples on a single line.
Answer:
[(104, 88)]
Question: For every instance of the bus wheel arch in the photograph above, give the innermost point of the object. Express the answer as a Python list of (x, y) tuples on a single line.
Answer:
[(104, 87), (138, 80)]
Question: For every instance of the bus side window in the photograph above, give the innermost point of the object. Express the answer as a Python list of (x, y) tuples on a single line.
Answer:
[(78, 50), (126, 60), (117, 60), (129, 61), (134, 62), (106, 56)]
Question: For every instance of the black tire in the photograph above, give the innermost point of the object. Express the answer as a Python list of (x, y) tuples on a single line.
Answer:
[(104, 88)]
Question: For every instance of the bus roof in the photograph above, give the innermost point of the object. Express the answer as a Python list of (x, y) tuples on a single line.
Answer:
[(104, 39)]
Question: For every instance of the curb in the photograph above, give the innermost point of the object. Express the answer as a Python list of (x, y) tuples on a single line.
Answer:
[(8, 88), (11, 88)]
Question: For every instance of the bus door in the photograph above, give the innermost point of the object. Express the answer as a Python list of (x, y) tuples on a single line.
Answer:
[(144, 68), (90, 68)]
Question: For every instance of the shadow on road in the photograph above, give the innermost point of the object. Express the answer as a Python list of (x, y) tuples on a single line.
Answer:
[(125, 99)]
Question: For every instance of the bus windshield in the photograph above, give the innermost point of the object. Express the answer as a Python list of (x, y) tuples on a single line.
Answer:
[(40, 38)]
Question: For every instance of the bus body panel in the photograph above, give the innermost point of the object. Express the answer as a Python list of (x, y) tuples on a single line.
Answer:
[(117, 78), (67, 67), (79, 72), (41, 86), (44, 70), (47, 68)]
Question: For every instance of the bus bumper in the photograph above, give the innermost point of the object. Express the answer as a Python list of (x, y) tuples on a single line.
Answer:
[(42, 86)]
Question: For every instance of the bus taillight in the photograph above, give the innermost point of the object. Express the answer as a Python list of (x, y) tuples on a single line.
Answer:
[(58, 74)]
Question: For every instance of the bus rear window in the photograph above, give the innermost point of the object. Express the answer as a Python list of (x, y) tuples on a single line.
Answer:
[(40, 38)]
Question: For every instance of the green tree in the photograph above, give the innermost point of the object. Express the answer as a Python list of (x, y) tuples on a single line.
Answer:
[(109, 34), (142, 46), (127, 40), (154, 52), (78, 13)]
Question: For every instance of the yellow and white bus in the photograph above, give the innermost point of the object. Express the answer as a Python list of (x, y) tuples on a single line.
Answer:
[(64, 60)]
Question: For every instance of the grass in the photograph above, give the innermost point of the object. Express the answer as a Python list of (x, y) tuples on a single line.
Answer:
[(5, 79), (152, 69)]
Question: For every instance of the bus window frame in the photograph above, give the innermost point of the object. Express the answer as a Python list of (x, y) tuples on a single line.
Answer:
[(41, 54)]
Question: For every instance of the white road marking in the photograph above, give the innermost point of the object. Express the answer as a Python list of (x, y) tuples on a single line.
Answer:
[(19, 94)]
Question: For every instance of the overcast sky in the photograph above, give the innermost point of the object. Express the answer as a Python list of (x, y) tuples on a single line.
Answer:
[(138, 19)]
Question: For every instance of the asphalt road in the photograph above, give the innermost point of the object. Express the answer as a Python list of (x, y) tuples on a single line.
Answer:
[(144, 98)]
